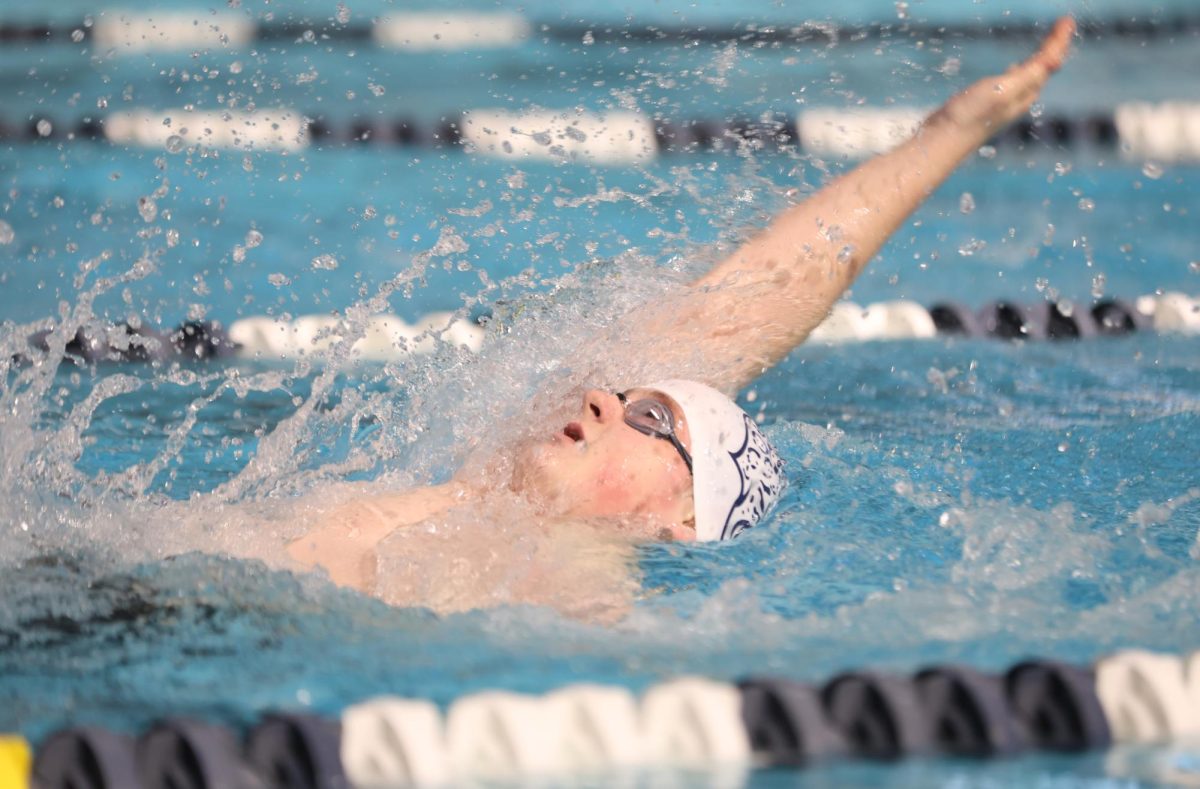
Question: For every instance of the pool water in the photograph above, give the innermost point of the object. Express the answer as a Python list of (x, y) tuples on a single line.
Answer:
[(951, 499)]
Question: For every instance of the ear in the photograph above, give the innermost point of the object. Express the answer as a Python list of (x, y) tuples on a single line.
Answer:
[(683, 532)]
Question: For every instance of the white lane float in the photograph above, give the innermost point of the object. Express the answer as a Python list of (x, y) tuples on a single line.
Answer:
[(1167, 132), (421, 31), (1147, 697), (384, 338), (393, 742), (858, 132), (597, 728), (276, 129), (129, 31), (497, 735), (610, 138), (695, 722)]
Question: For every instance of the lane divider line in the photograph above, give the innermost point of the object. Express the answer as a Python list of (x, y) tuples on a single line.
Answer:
[(389, 337), (128, 31), (597, 732), (1168, 132)]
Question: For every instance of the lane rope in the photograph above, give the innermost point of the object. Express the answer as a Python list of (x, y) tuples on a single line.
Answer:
[(1133, 697), (127, 31), (383, 338), (1166, 132)]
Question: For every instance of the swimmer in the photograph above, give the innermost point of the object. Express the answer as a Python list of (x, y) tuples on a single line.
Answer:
[(673, 459)]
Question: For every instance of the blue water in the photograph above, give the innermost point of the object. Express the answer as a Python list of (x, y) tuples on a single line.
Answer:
[(951, 500)]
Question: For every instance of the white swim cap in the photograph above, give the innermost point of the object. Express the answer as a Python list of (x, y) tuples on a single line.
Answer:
[(737, 476)]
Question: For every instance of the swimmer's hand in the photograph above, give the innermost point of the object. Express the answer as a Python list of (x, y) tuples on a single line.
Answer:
[(994, 102)]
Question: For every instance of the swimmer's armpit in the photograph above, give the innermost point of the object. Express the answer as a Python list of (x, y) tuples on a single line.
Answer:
[(764, 299)]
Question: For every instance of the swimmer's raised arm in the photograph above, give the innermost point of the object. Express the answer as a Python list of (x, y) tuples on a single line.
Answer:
[(764, 299)]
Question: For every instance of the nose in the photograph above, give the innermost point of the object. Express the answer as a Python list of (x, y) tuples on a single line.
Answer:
[(601, 406)]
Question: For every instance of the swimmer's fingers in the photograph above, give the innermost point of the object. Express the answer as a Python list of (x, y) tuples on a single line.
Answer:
[(994, 102), (1037, 68)]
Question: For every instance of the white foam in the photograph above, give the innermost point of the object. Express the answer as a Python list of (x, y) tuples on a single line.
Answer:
[(270, 129), (436, 30), (132, 31), (616, 137), (856, 133), (1165, 132)]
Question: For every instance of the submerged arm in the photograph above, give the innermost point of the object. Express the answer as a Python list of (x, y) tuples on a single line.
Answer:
[(764, 299)]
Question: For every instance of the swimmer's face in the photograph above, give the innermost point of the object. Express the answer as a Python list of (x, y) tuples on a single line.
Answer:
[(600, 466)]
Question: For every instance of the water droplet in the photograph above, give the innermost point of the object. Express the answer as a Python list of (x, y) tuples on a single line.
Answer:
[(1041, 283), (846, 254), (278, 280), (235, 67), (247, 164), (971, 247), (147, 208), (377, 89), (6, 233), (58, 202), (588, 39), (325, 262), (77, 36), (1087, 204), (44, 128), (253, 239), (369, 212), (174, 144), (102, 103), (172, 237), (1194, 267), (1098, 283), (987, 152), (309, 36), (239, 253), (1152, 170), (343, 14), (966, 203)]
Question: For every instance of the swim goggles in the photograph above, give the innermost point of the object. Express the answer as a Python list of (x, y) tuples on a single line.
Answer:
[(653, 418)]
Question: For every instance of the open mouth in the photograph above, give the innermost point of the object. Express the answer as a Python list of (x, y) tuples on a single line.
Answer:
[(574, 431)]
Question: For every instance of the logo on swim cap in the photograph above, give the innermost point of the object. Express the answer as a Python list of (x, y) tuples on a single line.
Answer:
[(737, 473), (760, 469)]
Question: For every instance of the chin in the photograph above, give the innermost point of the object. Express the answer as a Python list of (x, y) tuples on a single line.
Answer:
[(532, 475)]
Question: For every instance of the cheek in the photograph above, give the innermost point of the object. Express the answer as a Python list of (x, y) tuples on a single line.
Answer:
[(628, 485)]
